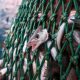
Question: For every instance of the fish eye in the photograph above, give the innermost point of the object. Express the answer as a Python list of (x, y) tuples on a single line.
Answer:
[(37, 35)]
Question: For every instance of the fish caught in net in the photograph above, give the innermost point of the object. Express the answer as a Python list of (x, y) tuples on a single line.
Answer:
[(44, 42)]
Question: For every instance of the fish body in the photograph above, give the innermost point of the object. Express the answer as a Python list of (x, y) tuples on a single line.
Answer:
[(60, 34)]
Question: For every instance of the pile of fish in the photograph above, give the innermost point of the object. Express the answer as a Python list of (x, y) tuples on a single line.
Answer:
[(43, 42)]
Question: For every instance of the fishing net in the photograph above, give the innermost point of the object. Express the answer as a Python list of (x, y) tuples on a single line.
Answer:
[(43, 43)]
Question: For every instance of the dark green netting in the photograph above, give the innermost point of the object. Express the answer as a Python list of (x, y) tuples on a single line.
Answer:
[(50, 15)]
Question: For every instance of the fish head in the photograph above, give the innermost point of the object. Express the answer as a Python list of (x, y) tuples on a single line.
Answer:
[(71, 16), (38, 39)]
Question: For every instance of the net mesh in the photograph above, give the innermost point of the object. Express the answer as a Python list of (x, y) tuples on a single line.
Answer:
[(54, 61)]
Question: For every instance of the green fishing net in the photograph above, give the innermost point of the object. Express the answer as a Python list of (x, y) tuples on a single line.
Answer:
[(25, 63)]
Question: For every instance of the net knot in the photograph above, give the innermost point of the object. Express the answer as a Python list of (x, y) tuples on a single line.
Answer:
[(52, 16)]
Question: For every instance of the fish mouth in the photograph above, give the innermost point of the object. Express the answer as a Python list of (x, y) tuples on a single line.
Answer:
[(33, 44)]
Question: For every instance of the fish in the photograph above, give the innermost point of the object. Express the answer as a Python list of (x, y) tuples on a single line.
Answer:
[(49, 42), (25, 65), (14, 68), (71, 16), (39, 16), (73, 19), (34, 67), (25, 46), (53, 50), (14, 53), (54, 53), (34, 34), (3, 71), (37, 39), (44, 71), (10, 50), (60, 34)]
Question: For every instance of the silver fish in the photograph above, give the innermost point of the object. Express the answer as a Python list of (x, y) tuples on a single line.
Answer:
[(37, 39), (44, 71), (54, 53), (25, 65), (59, 35), (3, 71), (71, 16)]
